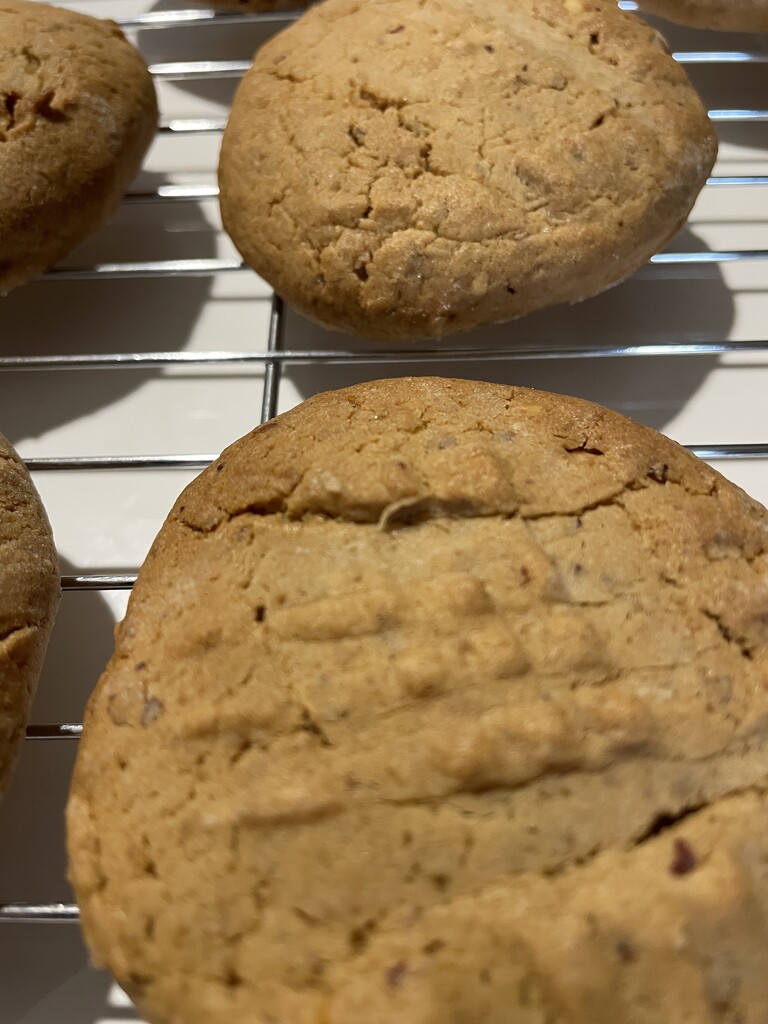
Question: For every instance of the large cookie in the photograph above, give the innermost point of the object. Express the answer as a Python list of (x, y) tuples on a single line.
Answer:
[(401, 170), (77, 113), (730, 15), (437, 701), (29, 593)]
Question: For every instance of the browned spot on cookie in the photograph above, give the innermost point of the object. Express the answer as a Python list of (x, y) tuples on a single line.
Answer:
[(396, 974), (626, 951), (684, 859)]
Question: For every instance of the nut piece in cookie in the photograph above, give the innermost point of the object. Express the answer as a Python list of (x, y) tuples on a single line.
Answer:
[(726, 15), (437, 701), (400, 171), (29, 594), (77, 113)]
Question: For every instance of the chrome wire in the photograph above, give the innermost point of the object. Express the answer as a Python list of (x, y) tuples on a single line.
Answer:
[(171, 193), (509, 353), (196, 70), (38, 912), (229, 265), (216, 125)]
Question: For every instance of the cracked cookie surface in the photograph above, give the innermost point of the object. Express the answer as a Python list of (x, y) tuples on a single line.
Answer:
[(401, 170), (77, 113), (29, 593), (726, 15), (437, 700)]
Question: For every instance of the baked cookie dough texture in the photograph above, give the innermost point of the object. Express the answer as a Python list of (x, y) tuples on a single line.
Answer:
[(77, 113), (29, 594), (402, 170), (733, 15), (434, 701)]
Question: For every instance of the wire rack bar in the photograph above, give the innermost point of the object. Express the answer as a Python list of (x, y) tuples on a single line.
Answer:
[(720, 57), (200, 193), (188, 18), (516, 353), (215, 125), (228, 265), (196, 70), (148, 268), (738, 115), (273, 368), (98, 581), (38, 913), (715, 452), (737, 179), (192, 126), (85, 462), (197, 193), (59, 731), (269, 409), (724, 256)]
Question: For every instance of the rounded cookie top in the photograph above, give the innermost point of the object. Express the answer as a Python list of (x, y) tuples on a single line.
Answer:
[(400, 170), (407, 671), (77, 113), (29, 592), (729, 15)]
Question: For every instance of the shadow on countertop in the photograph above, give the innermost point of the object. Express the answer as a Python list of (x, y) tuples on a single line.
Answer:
[(48, 317)]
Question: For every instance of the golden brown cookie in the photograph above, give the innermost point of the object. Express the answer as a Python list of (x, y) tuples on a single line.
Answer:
[(437, 700), (29, 593), (728, 15), (77, 113), (400, 171)]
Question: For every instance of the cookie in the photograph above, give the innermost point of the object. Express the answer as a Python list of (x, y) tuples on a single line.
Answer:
[(728, 15), (29, 594), (77, 113), (437, 700), (401, 171)]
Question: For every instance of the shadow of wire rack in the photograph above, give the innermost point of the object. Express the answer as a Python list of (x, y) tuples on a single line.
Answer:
[(681, 346)]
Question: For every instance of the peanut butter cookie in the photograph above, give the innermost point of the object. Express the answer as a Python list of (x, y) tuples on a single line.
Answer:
[(403, 170), (437, 700), (77, 113), (29, 593)]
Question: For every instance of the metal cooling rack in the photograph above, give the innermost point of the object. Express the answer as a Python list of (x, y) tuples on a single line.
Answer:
[(274, 356)]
